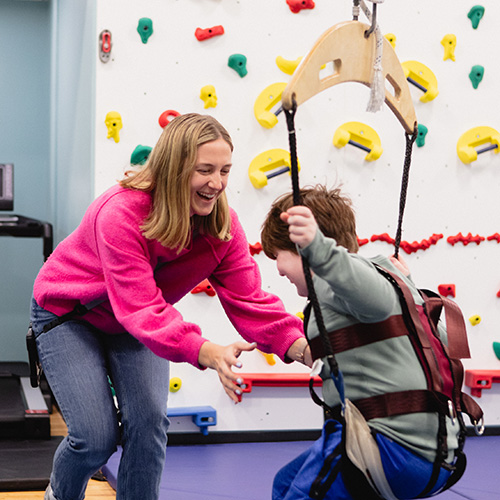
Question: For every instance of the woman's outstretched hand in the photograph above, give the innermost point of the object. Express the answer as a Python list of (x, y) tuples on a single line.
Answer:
[(222, 359)]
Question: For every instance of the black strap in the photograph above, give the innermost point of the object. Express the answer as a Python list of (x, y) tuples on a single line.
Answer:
[(410, 139), (79, 310), (290, 116)]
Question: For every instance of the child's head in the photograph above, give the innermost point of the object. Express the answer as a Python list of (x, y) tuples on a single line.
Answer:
[(333, 213)]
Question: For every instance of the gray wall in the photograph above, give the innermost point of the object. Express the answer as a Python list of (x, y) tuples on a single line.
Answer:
[(25, 41), (46, 92)]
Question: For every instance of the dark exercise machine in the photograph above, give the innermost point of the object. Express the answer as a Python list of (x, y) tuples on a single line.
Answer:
[(26, 446)]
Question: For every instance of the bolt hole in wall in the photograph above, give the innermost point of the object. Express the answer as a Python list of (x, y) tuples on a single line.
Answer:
[(446, 196)]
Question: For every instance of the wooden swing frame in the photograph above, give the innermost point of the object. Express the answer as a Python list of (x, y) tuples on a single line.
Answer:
[(352, 55)]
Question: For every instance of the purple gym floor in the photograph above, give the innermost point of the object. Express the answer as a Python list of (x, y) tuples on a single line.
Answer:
[(245, 471)]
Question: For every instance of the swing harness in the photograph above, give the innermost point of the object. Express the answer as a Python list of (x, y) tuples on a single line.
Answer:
[(360, 463)]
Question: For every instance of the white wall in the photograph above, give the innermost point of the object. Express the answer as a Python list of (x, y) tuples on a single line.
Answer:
[(445, 196)]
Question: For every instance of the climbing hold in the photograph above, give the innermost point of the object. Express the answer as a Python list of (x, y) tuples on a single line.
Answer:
[(204, 287), (269, 161), (164, 120), (361, 136), (114, 124), (475, 15), (447, 290), (300, 315), (145, 28), (391, 38), (496, 349), (298, 5), (268, 98), (205, 34), (175, 384), (255, 249), (105, 45), (140, 155), (208, 96), (452, 240), (494, 236), (449, 42), (475, 320), (475, 137), (423, 78), (422, 132), (286, 65), (269, 358), (238, 62), (476, 75)]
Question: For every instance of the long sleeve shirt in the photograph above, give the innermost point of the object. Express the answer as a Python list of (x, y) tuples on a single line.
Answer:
[(139, 280), (350, 290)]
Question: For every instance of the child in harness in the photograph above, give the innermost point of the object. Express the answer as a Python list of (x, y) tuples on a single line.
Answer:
[(394, 430)]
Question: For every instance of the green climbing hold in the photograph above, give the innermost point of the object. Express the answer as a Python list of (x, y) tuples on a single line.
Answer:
[(238, 62), (496, 349), (476, 75), (140, 155), (422, 132), (475, 15), (145, 28)]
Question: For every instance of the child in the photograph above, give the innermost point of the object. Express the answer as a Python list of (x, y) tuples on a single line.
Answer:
[(351, 292)]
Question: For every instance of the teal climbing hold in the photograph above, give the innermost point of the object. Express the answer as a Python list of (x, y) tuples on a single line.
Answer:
[(476, 75), (145, 28), (422, 132), (140, 155), (496, 349), (238, 62), (475, 15)]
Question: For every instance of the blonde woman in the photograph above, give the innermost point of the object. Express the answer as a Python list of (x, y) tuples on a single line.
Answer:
[(103, 306)]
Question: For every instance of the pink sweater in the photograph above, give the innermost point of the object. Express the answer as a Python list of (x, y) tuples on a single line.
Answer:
[(108, 258)]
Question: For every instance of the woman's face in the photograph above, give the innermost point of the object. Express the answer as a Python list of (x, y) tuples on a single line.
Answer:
[(210, 175)]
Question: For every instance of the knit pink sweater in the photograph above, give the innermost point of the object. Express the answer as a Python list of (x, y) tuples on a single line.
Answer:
[(108, 258)]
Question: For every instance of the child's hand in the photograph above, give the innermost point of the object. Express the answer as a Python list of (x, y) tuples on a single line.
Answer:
[(302, 225), (400, 264)]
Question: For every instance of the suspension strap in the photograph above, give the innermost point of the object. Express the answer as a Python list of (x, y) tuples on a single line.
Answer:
[(410, 139), (335, 373)]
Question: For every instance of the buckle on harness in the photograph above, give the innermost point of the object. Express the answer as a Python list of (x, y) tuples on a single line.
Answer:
[(479, 427)]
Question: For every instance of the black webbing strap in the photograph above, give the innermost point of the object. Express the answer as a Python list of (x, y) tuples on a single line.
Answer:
[(410, 139), (334, 369), (79, 310)]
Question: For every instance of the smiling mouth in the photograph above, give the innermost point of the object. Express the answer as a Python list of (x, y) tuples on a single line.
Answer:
[(206, 196)]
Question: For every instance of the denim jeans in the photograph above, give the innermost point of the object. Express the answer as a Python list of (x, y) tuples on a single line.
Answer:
[(77, 360)]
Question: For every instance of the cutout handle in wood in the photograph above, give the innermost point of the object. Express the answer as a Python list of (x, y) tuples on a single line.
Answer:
[(352, 56)]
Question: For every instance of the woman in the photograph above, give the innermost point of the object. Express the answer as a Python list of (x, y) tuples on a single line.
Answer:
[(141, 247)]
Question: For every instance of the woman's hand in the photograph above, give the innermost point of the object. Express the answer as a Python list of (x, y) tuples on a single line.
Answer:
[(302, 225), (222, 359)]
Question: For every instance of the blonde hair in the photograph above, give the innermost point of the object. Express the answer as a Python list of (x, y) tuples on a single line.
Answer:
[(167, 175)]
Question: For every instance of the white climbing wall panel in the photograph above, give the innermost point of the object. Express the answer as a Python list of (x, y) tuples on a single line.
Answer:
[(445, 195)]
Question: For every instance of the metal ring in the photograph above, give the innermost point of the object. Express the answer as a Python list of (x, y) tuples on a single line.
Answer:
[(480, 431)]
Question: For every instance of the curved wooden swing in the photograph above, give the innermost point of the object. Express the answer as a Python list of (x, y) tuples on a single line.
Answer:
[(352, 55)]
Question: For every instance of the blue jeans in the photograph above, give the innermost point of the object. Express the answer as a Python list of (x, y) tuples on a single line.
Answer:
[(77, 360), (407, 473)]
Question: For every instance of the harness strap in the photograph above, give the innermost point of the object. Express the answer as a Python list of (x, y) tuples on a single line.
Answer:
[(79, 310), (398, 403), (359, 334)]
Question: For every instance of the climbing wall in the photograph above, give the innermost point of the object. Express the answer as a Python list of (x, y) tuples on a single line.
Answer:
[(220, 57)]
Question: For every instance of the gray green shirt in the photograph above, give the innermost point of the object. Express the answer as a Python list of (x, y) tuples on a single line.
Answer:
[(350, 290)]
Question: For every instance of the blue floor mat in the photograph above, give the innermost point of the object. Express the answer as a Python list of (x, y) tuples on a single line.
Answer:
[(245, 471)]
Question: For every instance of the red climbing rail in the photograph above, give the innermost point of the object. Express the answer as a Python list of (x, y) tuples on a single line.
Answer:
[(276, 380), (478, 380)]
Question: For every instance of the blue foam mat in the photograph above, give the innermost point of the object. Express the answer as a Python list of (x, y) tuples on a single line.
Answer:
[(245, 471)]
